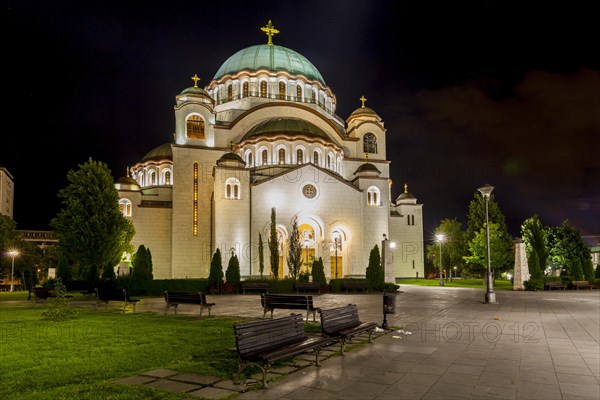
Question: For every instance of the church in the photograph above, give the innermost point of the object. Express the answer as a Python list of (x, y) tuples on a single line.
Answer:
[(263, 135)]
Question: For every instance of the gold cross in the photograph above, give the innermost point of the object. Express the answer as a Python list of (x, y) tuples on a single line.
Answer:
[(270, 31), (405, 188), (363, 101), (195, 79), (128, 171)]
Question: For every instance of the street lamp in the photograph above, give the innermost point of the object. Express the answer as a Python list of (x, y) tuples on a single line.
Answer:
[(440, 239), (12, 253), (336, 236), (454, 274), (306, 247), (490, 296)]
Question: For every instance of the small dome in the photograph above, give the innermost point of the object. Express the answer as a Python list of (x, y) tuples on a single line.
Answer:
[(162, 152), (367, 169), (405, 195), (231, 159), (286, 126), (270, 57), (126, 183), (364, 111), (195, 91)]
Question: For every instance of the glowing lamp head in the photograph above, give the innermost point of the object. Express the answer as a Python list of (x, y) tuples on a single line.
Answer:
[(392, 245), (440, 237), (13, 253), (336, 235), (486, 191)]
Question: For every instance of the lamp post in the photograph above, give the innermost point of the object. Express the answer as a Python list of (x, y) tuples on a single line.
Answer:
[(336, 236), (440, 239), (490, 296), (12, 253), (454, 274), (306, 249)]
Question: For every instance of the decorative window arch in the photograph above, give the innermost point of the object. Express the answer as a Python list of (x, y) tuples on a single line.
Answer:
[(299, 156), (299, 92), (370, 143), (249, 159), (316, 157), (152, 177), (229, 92), (265, 157), (141, 179), (373, 196), (281, 156), (329, 161), (232, 189), (281, 90), (314, 96), (125, 207), (245, 89), (166, 177), (195, 127), (263, 89)]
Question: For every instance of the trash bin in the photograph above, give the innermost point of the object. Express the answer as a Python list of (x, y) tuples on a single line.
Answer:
[(389, 307)]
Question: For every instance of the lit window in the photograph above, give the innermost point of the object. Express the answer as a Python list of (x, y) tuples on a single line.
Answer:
[(370, 143), (245, 89), (264, 157), (152, 177), (281, 90), (314, 96), (229, 93), (263, 89), (232, 189), (281, 156), (299, 156), (299, 92), (167, 177), (125, 207), (316, 158), (195, 127), (195, 201), (249, 163), (373, 196)]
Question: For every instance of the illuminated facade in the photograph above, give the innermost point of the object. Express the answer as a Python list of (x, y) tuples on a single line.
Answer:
[(263, 134)]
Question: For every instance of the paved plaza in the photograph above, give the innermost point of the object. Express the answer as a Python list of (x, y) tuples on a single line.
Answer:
[(447, 344)]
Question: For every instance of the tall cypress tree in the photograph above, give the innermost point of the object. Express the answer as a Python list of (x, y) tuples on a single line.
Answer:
[(261, 256), (374, 272), (294, 258), (215, 276), (232, 275), (274, 245)]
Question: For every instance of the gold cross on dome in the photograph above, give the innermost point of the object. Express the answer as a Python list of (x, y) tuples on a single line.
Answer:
[(362, 98), (195, 79), (270, 31), (405, 188)]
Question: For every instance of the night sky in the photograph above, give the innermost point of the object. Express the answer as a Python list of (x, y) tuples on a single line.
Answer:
[(470, 92)]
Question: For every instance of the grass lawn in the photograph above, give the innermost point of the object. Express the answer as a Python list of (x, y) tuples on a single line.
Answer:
[(499, 284), (42, 359)]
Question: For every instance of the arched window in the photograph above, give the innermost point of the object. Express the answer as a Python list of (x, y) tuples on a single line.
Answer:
[(263, 89), (373, 196), (125, 207), (151, 177), (281, 156), (370, 143), (232, 189), (329, 161), (265, 157), (245, 89), (141, 179), (229, 93), (299, 92), (249, 163), (314, 96), (316, 157), (299, 156), (167, 177), (282, 90), (195, 127)]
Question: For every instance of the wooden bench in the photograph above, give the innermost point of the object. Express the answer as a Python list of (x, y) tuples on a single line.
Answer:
[(173, 299), (554, 285), (270, 302), (105, 295), (308, 286), (261, 286), (355, 286), (582, 284), (261, 343), (342, 323)]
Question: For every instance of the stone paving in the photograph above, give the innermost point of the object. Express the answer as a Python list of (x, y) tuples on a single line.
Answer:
[(445, 344)]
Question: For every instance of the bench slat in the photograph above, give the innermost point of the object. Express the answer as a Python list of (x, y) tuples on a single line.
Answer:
[(342, 323)]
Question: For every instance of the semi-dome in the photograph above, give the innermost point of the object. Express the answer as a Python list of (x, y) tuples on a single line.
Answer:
[(287, 126), (231, 159), (270, 57), (363, 111), (127, 183), (367, 169), (162, 152)]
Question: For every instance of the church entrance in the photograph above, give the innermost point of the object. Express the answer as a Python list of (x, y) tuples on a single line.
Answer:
[(336, 268), (307, 239)]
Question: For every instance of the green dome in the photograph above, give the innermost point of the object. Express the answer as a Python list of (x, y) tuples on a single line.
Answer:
[(162, 152), (363, 111), (271, 57), (287, 126)]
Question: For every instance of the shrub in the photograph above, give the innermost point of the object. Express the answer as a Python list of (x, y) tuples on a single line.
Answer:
[(304, 276), (534, 284), (232, 275), (58, 306), (318, 272)]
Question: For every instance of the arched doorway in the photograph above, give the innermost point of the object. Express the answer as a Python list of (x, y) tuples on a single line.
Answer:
[(307, 239)]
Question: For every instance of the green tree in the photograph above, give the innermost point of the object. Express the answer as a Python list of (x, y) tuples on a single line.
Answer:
[(215, 276), (294, 258), (274, 245), (90, 227), (454, 246), (532, 232), (141, 269), (568, 250), (63, 271), (58, 306), (232, 275), (478, 251), (374, 272), (536, 279), (318, 272), (261, 256), (504, 242)]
